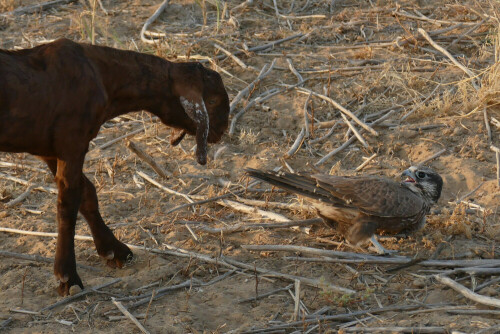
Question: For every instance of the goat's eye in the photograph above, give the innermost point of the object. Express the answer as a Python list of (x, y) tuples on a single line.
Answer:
[(211, 102), (421, 175)]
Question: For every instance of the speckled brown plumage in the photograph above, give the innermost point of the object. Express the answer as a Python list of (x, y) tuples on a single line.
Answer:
[(358, 206)]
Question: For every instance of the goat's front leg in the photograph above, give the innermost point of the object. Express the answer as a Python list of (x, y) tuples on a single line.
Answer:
[(115, 252), (69, 184)]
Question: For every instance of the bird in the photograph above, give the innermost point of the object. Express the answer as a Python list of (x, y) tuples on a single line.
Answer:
[(360, 206)]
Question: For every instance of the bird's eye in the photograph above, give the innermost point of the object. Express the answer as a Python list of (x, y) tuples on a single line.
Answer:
[(420, 175)]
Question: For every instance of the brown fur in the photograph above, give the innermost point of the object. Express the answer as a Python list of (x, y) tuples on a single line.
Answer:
[(54, 99)]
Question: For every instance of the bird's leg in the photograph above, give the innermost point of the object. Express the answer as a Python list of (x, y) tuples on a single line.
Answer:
[(379, 248)]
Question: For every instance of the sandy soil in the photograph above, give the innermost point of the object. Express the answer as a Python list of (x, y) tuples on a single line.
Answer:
[(359, 71)]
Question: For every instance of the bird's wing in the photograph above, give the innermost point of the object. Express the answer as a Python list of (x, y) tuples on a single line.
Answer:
[(295, 183), (372, 195)]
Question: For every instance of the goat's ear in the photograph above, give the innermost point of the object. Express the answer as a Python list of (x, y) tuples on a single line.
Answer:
[(195, 108)]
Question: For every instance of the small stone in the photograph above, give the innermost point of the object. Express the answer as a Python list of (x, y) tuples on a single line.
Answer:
[(74, 290), (418, 283), (489, 291)]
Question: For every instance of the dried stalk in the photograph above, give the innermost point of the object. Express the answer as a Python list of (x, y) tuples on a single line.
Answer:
[(232, 56), (246, 227), (432, 157), (431, 330), (39, 258), (497, 154), (261, 98), (80, 294), (21, 197), (27, 183), (367, 161), (450, 57), (129, 315), (297, 143), (148, 159), (279, 205), (22, 166), (351, 140), (254, 211), (38, 7), (308, 281), (485, 300), (149, 21), (294, 71), (116, 140), (340, 107), (162, 187), (266, 69)]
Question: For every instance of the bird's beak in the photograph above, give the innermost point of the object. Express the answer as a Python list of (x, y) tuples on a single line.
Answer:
[(409, 175)]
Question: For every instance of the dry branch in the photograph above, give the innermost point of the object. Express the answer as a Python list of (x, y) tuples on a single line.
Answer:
[(80, 294), (308, 281), (260, 47), (255, 298), (39, 258), (266, 69), (5, 323), (21, 197), (150, 21), (246, 227), (148, 159), (259, 99), (350, 257), (294, 71), (487, 125), (351, 140), (366, 162), (340, 107), (297, 143), (162, 187), (253, 211), (232, 56), (279, 205), (27, 183), (432, 157), (424, 18), (22, 166), (431, 330), (419, 105), (38, 7), (292, 17), (497, 154), (116, 140), (485, 300), (313, 319), (129, 315), (450, 57)]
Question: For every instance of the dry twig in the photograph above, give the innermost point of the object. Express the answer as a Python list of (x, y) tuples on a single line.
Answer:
[(149, 21), (485, 300), (129, 315), (148, 159)]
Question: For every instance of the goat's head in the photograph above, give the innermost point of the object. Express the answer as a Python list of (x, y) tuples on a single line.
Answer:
[(204, 102)]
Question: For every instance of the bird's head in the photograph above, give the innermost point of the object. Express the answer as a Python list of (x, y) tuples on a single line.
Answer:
[(423, 181)]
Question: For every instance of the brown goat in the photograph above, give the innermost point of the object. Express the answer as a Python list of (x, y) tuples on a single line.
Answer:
[(55, 97)]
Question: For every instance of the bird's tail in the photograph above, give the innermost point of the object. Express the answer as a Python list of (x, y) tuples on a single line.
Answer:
[(295, 183)]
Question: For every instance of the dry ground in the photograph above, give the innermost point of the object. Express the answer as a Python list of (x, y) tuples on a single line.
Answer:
[(350, 55)]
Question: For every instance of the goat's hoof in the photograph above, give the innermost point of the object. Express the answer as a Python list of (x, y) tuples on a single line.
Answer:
[(122, 255), (66, 288)]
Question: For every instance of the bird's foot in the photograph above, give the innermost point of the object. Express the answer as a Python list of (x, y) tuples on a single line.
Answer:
[(379, 248)]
